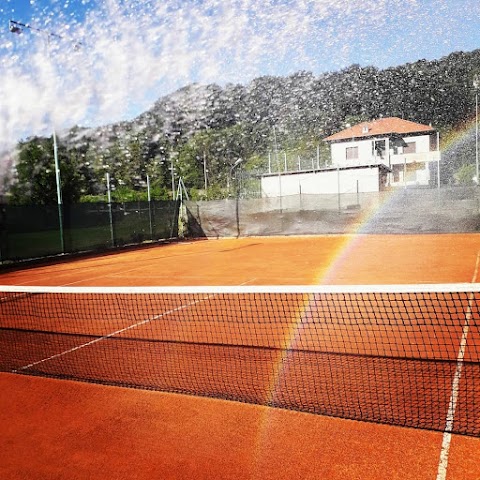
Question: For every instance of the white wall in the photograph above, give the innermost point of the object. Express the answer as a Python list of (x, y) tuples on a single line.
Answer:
[(325, 181), (422, 156), (339, 156)]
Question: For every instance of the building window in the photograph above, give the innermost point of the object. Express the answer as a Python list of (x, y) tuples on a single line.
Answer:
[(396, 172), (378, 148), (352, 153), (396, 144), (410, 147)]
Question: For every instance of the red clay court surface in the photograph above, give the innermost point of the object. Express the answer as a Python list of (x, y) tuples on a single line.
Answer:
[(58, 429)]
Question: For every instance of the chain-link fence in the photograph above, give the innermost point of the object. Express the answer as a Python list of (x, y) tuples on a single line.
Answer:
[(455, 209)]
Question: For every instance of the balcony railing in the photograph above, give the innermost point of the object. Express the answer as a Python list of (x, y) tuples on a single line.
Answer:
[(393, 159)]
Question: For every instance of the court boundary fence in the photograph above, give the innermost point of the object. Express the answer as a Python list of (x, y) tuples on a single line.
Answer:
[(33, 232), (29, 232), (453, 209)]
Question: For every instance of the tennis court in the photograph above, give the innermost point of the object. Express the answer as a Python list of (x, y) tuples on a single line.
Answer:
[(366, 332)]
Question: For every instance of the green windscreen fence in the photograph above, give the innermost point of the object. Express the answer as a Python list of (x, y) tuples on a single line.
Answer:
[(34, 231)]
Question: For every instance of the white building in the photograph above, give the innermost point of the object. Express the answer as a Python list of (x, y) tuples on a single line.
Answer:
[(331, 180), (368, 157), (409, 150)]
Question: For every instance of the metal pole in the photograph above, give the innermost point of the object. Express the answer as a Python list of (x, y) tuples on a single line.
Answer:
[(276, 149), (149, 207), (338, 189), (57, 168), (173, 178), (280, 188), (476, 136), (476, 84), (110, 213), (148, 189), (59, 192), (205, 171), (109, 197), (17, 28), (278, 166), (438, 159)]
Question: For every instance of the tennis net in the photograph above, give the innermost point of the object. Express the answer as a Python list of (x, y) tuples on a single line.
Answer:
[(404, 355)]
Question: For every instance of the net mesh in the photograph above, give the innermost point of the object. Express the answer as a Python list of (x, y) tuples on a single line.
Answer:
[(405, 355)]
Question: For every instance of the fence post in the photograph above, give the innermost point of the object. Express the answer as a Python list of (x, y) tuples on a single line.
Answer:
[(338, 188), (3, 229), (149, 207), (110, 214)]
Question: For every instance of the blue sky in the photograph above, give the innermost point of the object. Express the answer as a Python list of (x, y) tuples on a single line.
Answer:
[(136, 51), (27, 11), (394, 33)]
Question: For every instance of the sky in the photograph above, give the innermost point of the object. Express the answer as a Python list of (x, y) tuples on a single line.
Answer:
[(110, 60)]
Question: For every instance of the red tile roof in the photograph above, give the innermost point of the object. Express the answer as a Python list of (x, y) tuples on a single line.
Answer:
[(382, 126)]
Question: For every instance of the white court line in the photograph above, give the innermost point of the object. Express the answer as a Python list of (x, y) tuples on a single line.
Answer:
[(447, 434), (117, 332), (252, 289)]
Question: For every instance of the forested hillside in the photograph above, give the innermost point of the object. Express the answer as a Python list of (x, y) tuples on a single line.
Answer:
[(200, 131)]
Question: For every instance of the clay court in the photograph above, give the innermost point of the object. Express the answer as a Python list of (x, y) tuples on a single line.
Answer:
[(59, 428)]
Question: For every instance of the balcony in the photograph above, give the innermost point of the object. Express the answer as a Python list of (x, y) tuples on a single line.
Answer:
[(394, 159)]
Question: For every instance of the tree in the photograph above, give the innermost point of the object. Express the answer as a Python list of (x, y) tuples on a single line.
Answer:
[(465, 175), (35, 181), (214, 126)]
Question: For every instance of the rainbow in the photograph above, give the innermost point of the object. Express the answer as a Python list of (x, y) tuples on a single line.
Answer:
[(327, 276), (457, 135)]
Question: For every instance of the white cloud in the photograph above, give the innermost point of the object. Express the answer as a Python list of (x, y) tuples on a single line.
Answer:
[(134, 52)]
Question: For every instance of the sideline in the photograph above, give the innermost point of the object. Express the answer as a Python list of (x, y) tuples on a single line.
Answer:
[(447, 435)]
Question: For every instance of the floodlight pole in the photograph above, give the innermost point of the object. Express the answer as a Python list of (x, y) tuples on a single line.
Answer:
[(172, 168), (278, 166), (476, 85), (205, 179), (57, 168), (17, 27), (238, 161)]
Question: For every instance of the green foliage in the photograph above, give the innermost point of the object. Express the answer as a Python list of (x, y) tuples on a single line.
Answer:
[(214, 192), (213, 152), (201, 131), (127, 194), (93, 198), (35, 171), (466, 174)]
